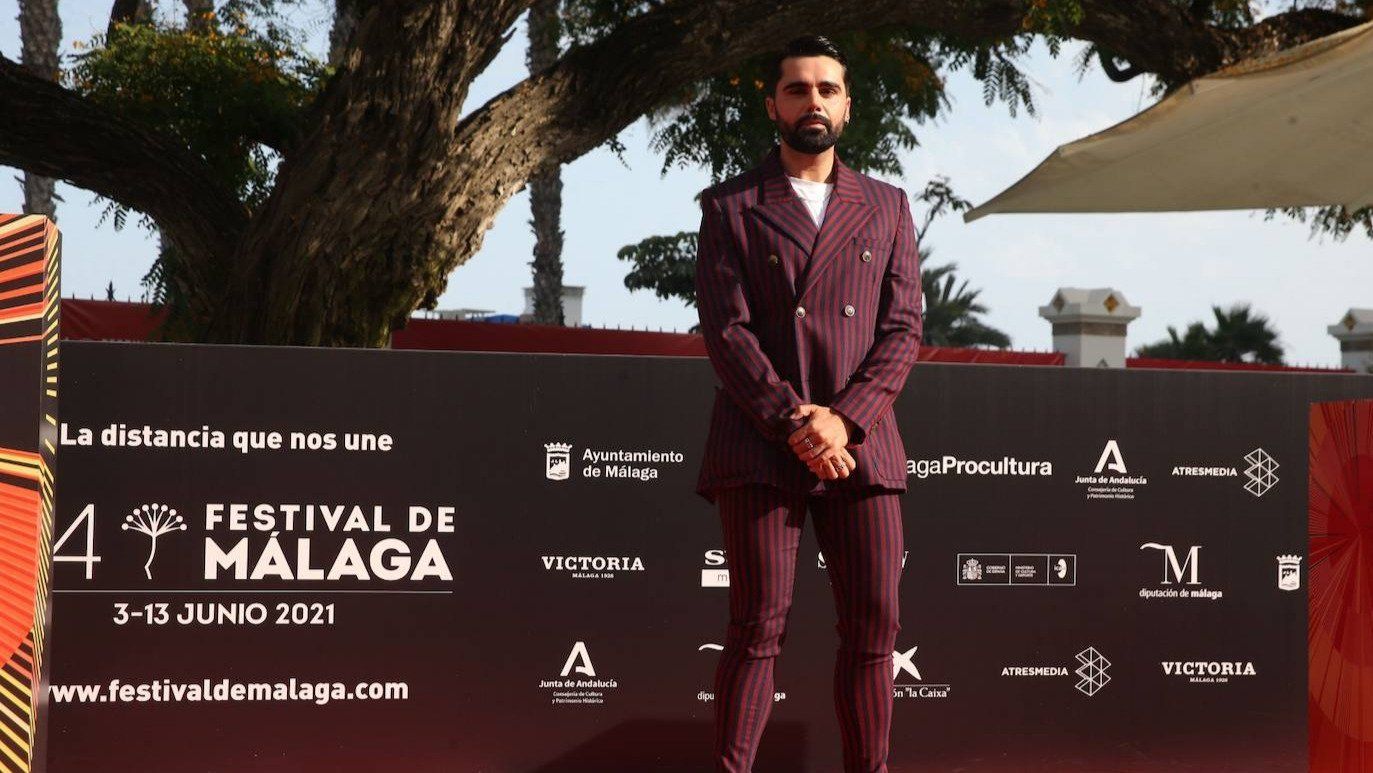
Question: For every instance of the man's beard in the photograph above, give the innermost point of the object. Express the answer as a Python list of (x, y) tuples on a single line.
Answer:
[(809, 139)]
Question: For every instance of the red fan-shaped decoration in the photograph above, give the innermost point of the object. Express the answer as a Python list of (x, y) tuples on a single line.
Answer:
[(1340, 628)]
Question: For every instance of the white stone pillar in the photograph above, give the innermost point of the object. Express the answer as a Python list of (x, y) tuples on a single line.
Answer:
[(1355, 334), (1089, 325), (572, 305)]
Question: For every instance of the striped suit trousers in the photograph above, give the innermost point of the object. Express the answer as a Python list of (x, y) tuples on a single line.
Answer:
[(860, 534)]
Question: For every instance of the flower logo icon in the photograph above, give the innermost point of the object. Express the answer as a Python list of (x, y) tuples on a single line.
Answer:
[(154, 521)]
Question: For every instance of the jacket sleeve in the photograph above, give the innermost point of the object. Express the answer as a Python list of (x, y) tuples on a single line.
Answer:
[(744, 370), (873, 387)]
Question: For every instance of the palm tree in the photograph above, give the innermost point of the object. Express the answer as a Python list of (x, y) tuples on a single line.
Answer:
[(1240, 335), (1195, 344), (546, 185), (40, 30), (951, 310)]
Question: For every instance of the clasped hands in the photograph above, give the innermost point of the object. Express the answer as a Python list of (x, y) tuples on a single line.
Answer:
[(821, 443)]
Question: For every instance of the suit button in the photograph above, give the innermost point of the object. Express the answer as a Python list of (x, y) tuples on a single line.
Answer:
[(848, 311), (774, 260), (867, 256), (800, 312)]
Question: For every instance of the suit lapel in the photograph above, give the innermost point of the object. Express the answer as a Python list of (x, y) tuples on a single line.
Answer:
[(779, 205), (847, 211)]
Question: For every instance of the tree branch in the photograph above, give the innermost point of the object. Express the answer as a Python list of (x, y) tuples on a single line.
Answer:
[(595, 91), (391, 110), (1165, 39), (421, 187), (1285, 30), (1115, 72), (49, 130)]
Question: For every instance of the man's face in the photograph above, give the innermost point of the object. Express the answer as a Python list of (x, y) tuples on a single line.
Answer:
[(810, 105)]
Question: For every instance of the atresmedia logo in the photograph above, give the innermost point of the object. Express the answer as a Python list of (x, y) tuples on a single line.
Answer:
[(1260, 471), (1092, 672)]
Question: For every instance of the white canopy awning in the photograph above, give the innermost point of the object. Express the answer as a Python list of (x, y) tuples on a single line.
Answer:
[(1291, 129)]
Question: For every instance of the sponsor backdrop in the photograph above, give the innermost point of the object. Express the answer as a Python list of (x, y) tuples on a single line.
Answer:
[(288, 559)]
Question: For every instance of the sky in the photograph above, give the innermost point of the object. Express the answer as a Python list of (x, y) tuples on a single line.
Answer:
[(1175, 266)]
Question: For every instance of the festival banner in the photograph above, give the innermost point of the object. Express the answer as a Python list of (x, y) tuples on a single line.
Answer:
[(283, 559)]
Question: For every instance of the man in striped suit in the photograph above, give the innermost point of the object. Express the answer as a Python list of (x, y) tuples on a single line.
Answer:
[(808, 287)]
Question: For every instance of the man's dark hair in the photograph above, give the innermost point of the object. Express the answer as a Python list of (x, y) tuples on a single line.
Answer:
[(806, 45)]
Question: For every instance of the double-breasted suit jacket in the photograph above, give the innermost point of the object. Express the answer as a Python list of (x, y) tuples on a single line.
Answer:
[(793, 314)]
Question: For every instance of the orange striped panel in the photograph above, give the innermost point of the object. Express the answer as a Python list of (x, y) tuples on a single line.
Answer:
[(30, 249)]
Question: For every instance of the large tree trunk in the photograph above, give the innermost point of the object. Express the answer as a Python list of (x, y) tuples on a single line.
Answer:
[(40, 32), (391, 187), (546, 186), (387, 124), (200, 18)]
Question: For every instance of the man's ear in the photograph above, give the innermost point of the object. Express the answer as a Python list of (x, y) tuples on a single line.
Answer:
[(770, 105)]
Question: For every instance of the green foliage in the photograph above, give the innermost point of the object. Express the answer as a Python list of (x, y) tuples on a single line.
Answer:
[(586, 20), (1239, 335), (1055, 18), (233, 88), (721, 124), (1334, 221), (1194, 344), (664, 264), (939, 198), (229, 96), (952, 314), (1229, 14)]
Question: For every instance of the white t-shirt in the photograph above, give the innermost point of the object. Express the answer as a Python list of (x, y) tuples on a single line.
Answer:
[(814, 195)]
